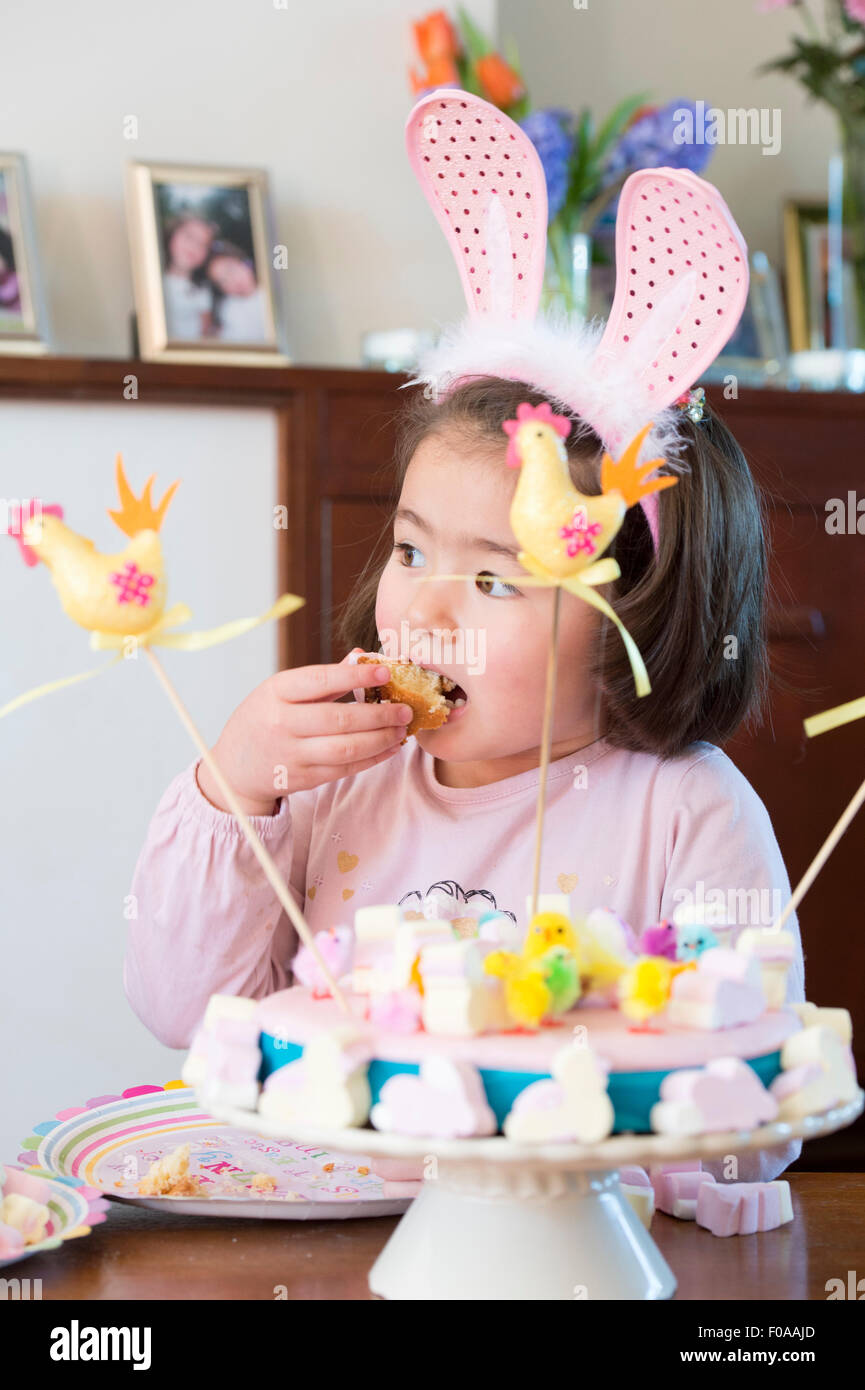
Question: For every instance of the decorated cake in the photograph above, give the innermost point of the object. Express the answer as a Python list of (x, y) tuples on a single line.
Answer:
[(568, 1031)]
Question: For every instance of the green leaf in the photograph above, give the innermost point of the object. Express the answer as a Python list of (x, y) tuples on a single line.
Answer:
[(617, 120), (511, 55), (477, 45)]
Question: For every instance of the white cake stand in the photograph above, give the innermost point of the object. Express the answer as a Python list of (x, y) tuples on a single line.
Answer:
[(499, 1220)]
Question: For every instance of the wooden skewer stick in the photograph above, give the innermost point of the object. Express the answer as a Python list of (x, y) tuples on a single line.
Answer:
[(821, 856), (546, 739), (274, 877)]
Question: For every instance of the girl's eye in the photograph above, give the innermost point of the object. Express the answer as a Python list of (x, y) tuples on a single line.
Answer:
[(407, 550), (485, 580)]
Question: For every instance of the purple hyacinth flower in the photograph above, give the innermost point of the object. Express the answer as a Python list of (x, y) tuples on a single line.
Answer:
[(552, 134)]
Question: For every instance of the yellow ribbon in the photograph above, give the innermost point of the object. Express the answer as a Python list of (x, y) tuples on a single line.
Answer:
[(161, 634), (834, 718), (601, 572)]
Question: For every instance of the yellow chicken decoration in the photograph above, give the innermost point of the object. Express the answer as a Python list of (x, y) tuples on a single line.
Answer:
[(563, 531), (121, 593), (543, 980), (644, 989), (548, 929)]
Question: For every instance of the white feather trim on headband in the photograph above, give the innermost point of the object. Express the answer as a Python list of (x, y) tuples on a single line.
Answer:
[(556, 355)]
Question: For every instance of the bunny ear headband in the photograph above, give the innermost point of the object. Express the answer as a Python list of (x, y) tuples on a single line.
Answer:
[(681, 280)]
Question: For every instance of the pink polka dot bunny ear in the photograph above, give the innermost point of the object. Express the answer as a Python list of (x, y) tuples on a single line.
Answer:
[(681, 286), (681, 280), (485, 183)]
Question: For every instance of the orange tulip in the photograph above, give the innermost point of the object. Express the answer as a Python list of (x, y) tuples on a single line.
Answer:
[(436, 38), (441, 72), (501, 85), (639, 114)]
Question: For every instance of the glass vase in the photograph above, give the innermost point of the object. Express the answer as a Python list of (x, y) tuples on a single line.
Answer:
[(567, 278)]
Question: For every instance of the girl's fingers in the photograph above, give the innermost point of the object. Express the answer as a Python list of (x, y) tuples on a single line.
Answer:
[(324, 718), (340, 750), (309, 684)]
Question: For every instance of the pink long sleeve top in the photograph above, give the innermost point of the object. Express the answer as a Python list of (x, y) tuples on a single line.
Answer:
[(622, 830)]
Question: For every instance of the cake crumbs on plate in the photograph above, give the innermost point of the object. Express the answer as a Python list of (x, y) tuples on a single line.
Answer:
[(263, 1182), (169, 1176)]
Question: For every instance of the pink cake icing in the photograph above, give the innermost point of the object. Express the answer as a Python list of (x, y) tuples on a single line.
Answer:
[(294, 1015)]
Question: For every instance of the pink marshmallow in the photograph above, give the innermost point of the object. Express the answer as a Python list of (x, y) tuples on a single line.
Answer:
[(633, 1176), (11, 1242), (727, 1093), (27, 1185), (445, 1100), (676, 1192), (741, 1208)]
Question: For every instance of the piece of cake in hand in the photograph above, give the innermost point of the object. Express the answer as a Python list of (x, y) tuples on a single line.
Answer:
[(430, 695)]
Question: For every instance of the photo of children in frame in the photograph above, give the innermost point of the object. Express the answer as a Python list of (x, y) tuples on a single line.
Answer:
[(213, 291), (23, 320), (11, 313)]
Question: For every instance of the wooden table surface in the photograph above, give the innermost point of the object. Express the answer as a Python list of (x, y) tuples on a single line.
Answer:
[(143, 1254)]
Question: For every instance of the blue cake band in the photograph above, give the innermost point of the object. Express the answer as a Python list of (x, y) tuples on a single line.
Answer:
[(633, 1093)]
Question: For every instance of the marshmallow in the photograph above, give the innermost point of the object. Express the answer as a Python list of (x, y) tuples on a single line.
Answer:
[(326, 1086), (549, 902), (725, 1094), (677, 1187), (741, 1208), (773, 951), (838, 1020), (574, 1105), (724, 991), (446, 1100), (817, 1073), (25, 1216), (459, 998), (224, 1060), (374, 933), (639, 1194)]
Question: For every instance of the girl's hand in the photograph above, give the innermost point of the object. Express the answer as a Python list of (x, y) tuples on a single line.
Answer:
[(290, 735)]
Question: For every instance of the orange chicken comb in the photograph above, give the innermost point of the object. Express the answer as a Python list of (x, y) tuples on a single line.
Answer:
[(138, 513), (626, 477)]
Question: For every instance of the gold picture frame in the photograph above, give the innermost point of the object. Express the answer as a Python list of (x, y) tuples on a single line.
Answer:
[(23, 318), (215, 301), (819, 319)]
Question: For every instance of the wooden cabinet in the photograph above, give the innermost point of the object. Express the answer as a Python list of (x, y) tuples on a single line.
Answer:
[(336, 433)]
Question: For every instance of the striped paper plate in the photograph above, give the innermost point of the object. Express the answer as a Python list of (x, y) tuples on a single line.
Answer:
[(74, 1208), (110, 1142)]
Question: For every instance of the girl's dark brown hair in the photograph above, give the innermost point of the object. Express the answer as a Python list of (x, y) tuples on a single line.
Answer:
[(697, 610)]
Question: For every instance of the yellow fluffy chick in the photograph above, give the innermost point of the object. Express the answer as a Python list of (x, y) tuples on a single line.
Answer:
[(527, 998), (548, 929), (644, 988)]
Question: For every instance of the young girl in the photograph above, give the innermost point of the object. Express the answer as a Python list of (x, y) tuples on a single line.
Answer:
[(239, 306), (643, 809)]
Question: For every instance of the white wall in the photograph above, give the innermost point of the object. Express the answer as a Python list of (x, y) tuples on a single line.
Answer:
[(318, 94), (315, 93), (81, 770), (685, 48)]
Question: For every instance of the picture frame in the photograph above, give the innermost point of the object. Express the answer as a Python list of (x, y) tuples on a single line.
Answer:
[(202, 248), (821, 304), (23, 318), (758, 350)]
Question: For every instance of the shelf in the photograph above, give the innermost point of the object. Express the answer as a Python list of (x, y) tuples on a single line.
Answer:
[(103, 380)]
